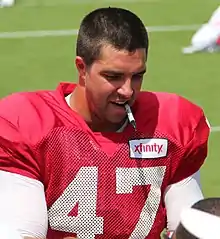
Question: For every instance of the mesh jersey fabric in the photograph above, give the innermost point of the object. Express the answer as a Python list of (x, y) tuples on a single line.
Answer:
[(93, 187)]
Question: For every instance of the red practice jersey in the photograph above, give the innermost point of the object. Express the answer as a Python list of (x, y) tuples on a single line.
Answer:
[(102, 185)]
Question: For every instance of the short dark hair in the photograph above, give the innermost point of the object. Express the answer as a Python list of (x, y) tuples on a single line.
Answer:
[(118, 27), (182, 233), (209, 205)]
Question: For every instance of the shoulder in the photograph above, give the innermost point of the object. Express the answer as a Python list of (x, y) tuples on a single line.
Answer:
[(169, 102), (27, 113), (25, 118), (173, 115), (182, 123)]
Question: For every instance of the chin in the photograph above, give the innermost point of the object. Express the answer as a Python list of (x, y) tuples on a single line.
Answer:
[(117, 120)]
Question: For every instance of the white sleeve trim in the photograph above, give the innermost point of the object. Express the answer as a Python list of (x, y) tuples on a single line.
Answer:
[(179, 196), (23, 205)]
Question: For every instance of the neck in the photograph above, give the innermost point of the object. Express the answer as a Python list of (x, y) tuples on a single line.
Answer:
[(78, 95), (92, 120)]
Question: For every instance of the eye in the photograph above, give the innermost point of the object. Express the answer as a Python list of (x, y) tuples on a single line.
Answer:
[(112, 77), (138, 77)]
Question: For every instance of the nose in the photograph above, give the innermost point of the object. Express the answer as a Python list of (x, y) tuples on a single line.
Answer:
[(126, 90)]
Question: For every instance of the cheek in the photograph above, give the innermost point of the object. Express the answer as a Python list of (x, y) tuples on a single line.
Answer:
[(100, 87), (103, 93), (97, 91)]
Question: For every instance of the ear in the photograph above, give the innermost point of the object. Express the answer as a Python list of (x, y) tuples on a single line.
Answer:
[(81, 68)]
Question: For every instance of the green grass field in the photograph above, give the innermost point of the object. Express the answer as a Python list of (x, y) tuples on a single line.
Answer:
[(30, 63)]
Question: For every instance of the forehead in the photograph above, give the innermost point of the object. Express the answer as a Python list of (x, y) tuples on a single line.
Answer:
[(121, 60)]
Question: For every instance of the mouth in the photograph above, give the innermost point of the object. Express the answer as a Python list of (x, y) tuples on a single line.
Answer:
[(118, 108), (122, 105)]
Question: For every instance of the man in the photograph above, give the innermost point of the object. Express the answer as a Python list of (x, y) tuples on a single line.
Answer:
[(207, 38), (200, 221), (100, 159)]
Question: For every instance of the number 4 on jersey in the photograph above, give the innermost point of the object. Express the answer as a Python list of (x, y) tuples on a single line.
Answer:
[(83, 191)]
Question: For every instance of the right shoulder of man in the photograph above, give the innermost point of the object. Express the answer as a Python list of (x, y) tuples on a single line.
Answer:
[(24, 119)]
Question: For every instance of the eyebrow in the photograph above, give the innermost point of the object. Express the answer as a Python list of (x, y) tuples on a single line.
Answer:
[(115, 72), (140, 72)]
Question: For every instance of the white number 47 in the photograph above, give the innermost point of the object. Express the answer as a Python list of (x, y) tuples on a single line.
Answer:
[(83, 191)]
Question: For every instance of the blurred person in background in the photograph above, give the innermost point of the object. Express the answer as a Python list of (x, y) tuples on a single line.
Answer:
[(7, 3), (207, 38)]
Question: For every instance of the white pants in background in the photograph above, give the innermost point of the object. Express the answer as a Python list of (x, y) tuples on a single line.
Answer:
[(7, 3)]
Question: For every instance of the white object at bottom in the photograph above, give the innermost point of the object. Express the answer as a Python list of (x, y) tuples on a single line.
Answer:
[(200, 224)]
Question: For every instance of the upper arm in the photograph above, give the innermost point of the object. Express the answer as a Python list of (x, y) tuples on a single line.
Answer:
[(184, 187), (23, 205), (16, 155), (181, 195), (22, 202), (16, 138), (195, 151)]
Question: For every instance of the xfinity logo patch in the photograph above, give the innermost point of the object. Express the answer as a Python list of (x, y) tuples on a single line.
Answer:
[(148, 148)]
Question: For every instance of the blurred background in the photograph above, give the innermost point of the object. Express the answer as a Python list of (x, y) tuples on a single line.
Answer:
[(37, 50)]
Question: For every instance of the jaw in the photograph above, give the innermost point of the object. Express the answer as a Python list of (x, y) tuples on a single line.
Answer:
[(79, 103)]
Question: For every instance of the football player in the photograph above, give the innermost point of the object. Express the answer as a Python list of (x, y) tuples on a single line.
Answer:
[(100, 159), (207, 38)]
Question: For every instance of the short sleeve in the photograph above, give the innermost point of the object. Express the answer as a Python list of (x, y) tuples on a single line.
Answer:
[(195, 151), (16, 155)]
